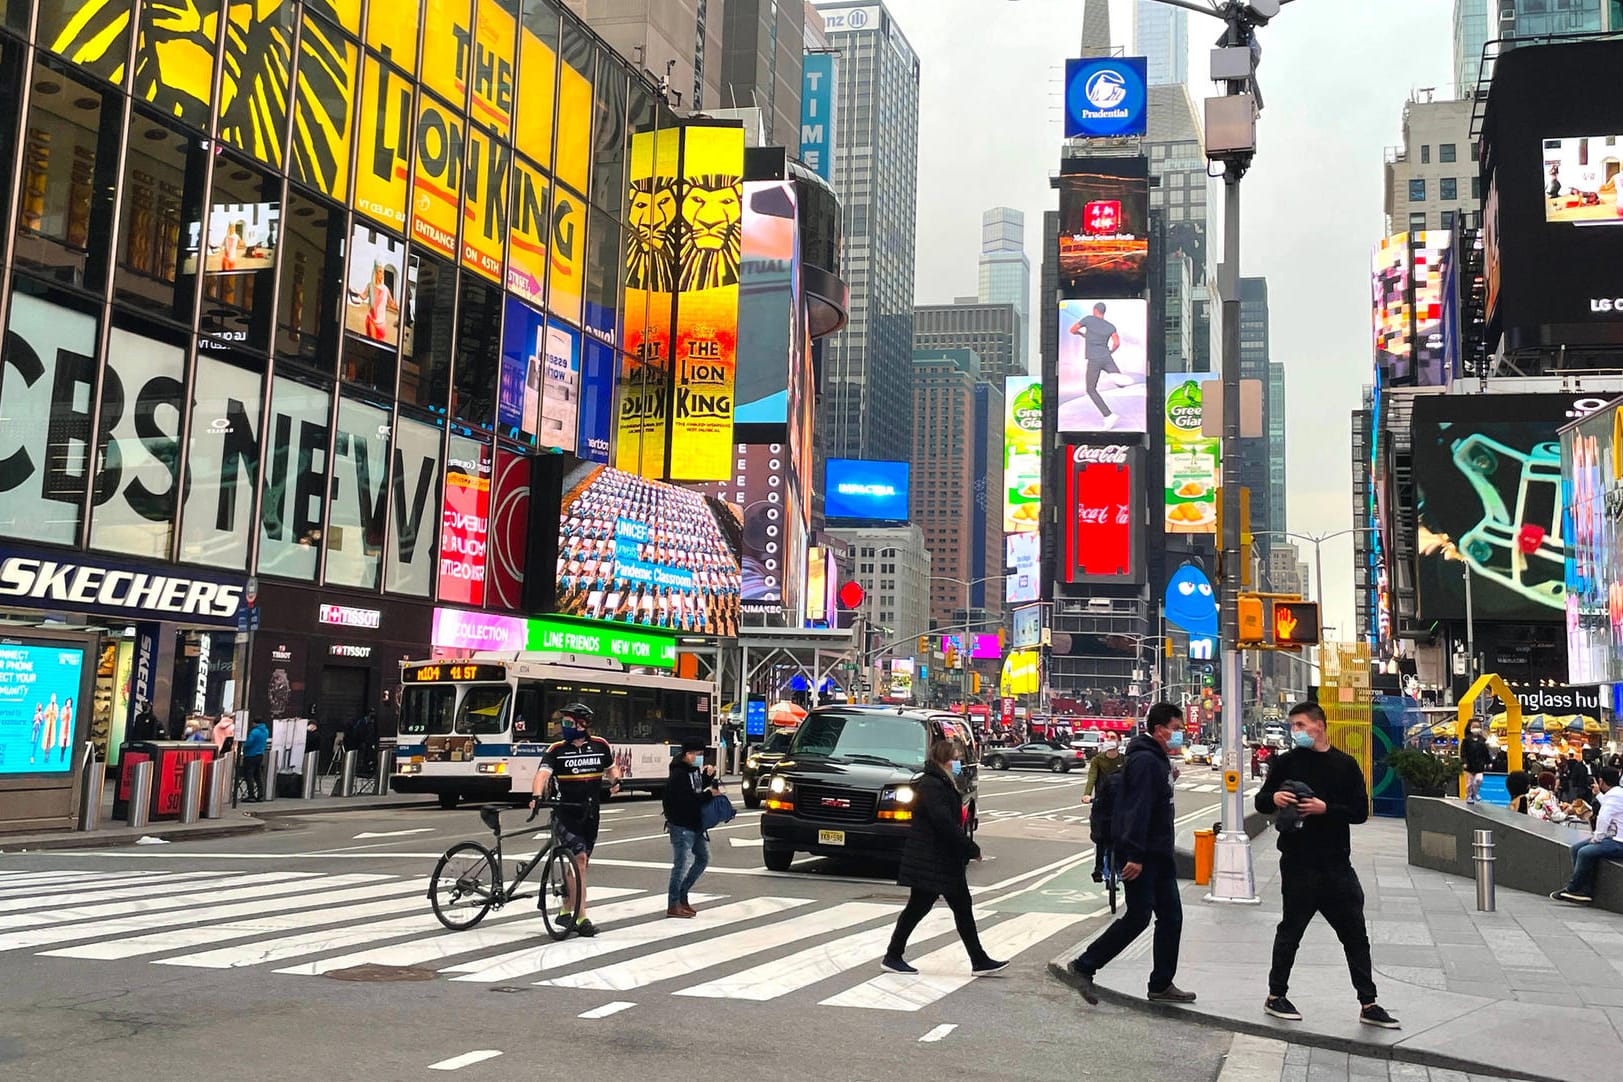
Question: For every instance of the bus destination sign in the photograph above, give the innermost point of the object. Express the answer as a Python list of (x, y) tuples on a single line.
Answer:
[(448, 671)]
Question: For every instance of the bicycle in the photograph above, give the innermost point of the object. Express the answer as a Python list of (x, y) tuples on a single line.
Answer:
[(1107, 865), (468, 883)]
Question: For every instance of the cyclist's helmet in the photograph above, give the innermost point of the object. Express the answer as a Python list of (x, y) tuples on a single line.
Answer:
[(579, 713)]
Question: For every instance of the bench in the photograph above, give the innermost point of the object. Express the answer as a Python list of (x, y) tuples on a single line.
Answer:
[(1529, 853)]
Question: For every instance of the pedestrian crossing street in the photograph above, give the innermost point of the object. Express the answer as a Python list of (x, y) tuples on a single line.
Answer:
[(1195, 779), (308, 924)]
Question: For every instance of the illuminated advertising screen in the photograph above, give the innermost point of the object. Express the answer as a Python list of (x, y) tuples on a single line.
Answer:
[(560, 387), (1409, 272), (1580, 178), (1487, 474), (1104, 528), (710, 201), (241, 239), (901, 679), (377, 272), (1103, 365), (864, 490), (465, 523), (1106, 97), (1592, 484), (40, 684), (1104, 235), (1022, 453), (597, 368), (518, 392), (817, 113), (641, 552), (1027, 624), (1024, 581), (1020, 673), (774, 531), (1193, 461), (650, 289), (769, 332)]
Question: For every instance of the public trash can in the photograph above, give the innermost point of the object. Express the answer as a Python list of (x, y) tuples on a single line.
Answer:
[(1205, 854)]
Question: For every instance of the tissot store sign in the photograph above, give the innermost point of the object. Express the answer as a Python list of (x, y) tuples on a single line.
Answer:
[(78, 582)]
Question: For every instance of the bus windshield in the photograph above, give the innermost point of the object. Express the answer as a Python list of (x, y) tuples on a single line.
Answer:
[(894, 739), (426, 710), (484, 710)]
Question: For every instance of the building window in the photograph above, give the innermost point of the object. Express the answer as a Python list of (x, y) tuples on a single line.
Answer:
[(1417, 221), (1417, 190), (1445, 152), (1448, 219), (1476, 187), (1448, 188), (1425, 154)]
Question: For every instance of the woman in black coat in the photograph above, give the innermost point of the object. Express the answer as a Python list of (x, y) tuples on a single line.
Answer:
[(933, 863)]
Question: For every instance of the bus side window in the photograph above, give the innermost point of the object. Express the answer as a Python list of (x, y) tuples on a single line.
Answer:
[(528, 722)]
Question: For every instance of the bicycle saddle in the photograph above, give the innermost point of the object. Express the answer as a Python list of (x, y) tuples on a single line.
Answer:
[(492, 819)]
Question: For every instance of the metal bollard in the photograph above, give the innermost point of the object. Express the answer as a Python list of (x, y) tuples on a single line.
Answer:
[(140, 793), (267, 784), (92, 780), (312, 764), (384, 769), (214, 798), (191, 791), (1482, 850), (346, 779)]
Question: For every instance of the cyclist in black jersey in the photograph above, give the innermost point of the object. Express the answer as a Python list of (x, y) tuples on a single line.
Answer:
[(580, 762)]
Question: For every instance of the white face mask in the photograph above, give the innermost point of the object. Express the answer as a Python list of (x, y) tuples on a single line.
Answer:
[(698, 761)]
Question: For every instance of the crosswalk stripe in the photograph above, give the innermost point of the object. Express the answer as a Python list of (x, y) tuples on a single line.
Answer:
[(805, 968), (527, 926), (190, 881), (905, 992), (257, 898), (571, 951), (21, 882), (154, 903), (338, 909), (682, 961)]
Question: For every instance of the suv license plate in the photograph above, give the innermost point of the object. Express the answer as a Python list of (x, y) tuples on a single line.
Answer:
[(831, 837)]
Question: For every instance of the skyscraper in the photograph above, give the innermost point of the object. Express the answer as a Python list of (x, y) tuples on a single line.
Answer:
[(657, 33), (1472, 25), (1005, 274), (1255, 454), (868, 367), (761, 49), (1161, 36), (1275, 427), (991, 330)]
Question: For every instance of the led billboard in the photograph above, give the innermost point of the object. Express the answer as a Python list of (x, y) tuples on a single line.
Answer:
[(1103, 365), (1592, 484), (770, 337), (1022, 453), (39, 682), (1410, 303), (774, 526), (1487, 474), (1024, 580), (1104, 529), (1027, 624), (1105, 97), (1104, 235), (1580, 176), (1193, 460), (864, 490)]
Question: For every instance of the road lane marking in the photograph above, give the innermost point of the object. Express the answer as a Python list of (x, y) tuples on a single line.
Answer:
[(191, 881), (466, 1059), (937, 1033), (198, 894), (607, 1009), (681, 961), (392, 833)]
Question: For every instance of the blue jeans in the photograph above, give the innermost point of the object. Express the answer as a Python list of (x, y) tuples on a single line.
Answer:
[(1584, 855), (690, 856)]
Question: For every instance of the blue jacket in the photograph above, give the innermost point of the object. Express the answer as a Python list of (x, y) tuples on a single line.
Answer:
[(1143, 816), (254, 746)]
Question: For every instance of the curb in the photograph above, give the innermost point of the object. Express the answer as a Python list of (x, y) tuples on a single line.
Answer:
[(92, 840), (1060, 971)]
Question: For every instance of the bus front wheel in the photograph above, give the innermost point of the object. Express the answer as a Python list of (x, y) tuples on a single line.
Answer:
[(777, 859), (449, 800)]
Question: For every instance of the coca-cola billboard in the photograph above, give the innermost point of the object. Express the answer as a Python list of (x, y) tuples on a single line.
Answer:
[(1104, 515)]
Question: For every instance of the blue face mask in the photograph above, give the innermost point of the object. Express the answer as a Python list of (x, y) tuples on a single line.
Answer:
[(957, 768), (1177, 740), (1303, 739), (572, 733), (698, 761)]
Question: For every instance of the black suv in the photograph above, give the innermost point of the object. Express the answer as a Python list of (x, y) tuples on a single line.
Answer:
[(846, 786), (759, 763)]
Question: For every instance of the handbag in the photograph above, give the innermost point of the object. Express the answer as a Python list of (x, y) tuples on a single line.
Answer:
[(715, 811)]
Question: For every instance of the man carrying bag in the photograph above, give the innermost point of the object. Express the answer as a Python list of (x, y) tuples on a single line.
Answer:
[(693, 804)]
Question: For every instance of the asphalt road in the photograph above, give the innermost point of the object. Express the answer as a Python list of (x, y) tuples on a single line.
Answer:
[(238, 958)]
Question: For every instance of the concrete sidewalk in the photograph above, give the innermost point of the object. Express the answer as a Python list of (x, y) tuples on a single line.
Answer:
[(1529, 991), (1262, 1059)]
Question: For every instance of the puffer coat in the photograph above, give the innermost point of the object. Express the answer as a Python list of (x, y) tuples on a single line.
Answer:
[(937, 848)]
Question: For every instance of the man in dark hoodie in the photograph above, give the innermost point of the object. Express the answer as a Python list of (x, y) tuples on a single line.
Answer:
[(691, 785), (1475, 756), (1315, 859), (1143, 831)]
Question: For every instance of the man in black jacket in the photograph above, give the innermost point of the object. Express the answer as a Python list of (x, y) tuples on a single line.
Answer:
[(1315, 859), (1143, 830), (691, 785), (1475, 756)]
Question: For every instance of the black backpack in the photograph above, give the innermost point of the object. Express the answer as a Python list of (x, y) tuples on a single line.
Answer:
[(1105, 796)]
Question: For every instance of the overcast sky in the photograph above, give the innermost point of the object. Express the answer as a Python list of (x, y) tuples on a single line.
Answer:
[(1334, 77)]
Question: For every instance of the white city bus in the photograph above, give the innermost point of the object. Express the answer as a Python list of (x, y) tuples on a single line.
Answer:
[(476, 729)]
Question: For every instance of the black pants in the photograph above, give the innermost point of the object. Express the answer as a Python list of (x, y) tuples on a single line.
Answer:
[(1154, 893), (253, 766), (920, 902), (1337, 895)]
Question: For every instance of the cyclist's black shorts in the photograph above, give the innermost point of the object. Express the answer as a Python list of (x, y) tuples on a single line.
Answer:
[(577, 834)]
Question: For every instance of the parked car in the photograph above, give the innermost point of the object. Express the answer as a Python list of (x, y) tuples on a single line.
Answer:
[(1197, 753), (846, 785), (759, 763), (1056, 757)]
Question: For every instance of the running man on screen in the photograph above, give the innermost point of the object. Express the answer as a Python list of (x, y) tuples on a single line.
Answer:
[(1101, 340)]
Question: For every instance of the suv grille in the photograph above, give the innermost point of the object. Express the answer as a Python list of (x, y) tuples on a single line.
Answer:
[(834, 805)]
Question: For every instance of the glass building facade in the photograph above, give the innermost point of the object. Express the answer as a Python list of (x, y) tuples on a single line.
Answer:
[(291, 297)]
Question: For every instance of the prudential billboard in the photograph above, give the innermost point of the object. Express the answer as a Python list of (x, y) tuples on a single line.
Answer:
[(1105, 96)]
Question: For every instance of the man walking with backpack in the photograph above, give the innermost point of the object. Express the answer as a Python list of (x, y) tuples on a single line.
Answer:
[(1142, 835), (1104, 778)]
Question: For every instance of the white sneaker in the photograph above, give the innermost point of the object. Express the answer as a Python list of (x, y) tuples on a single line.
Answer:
[(1110, 421)]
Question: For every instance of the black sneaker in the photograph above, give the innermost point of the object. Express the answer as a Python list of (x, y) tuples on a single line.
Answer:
[(1170, 994), (896, 965), (585, 927), (1373, 1014), (1082, 980), (1280, 1007), (1571, 896), (988, 967)]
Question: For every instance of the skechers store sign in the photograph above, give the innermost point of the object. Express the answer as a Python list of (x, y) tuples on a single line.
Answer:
[(35, 580)]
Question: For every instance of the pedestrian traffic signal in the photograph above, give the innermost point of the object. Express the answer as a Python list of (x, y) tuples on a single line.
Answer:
[(1295, 623), (1277, 622), (1253, 627)]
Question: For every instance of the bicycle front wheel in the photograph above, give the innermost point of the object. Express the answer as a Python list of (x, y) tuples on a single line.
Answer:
[(558, 882), (464, 886)]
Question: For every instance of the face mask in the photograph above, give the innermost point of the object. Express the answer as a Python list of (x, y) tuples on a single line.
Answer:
[(957, 768), (571, 733), (1108, 748), (1303, 739), (698, 761), (1177, 740)]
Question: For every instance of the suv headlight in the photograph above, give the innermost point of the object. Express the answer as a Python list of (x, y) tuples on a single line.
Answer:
[(778, 785), (753, 762), (901, 794)]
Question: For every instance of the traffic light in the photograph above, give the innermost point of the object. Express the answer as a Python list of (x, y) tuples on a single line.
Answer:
[(1295, 624), (974, 683), (924, 646), (952, 656), (1253, 626)]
